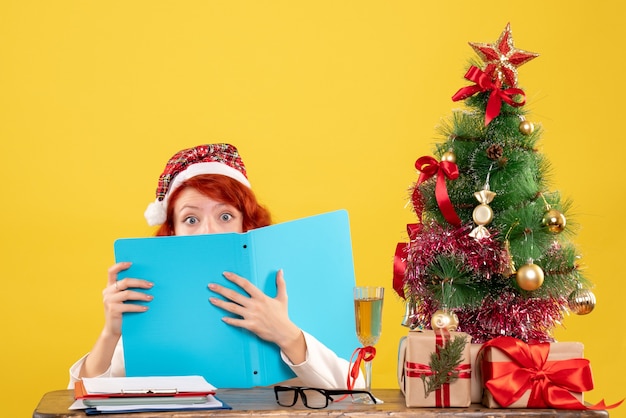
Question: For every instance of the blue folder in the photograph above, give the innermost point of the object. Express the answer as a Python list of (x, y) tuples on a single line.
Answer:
[(182, 333)]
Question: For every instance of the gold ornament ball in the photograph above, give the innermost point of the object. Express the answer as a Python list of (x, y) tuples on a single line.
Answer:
[(448, 156), (526, 127), (444, 320), (554, 220), (529, 277), (581, 301)]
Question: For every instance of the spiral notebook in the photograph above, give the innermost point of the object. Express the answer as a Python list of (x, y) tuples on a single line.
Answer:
[(182, 333)]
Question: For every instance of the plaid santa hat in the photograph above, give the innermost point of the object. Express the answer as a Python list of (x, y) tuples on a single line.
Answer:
[(204, 159)]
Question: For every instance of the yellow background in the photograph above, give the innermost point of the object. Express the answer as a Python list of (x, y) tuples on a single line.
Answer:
[(330, 103)]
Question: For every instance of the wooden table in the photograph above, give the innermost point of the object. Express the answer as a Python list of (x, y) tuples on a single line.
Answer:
[(260, 402)]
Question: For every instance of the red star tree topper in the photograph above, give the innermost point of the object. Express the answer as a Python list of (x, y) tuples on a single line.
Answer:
[(502, 58)]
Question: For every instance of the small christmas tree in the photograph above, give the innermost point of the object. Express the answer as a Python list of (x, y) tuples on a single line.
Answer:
[(492, 248)]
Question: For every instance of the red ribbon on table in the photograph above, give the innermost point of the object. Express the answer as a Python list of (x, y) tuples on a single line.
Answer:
[(428, 167), (497, 96), (399, 260), (442, 393), (550, 382), (362, 354)]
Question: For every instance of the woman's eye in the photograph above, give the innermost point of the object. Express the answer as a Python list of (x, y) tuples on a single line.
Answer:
[(191, 220), (225, 217)]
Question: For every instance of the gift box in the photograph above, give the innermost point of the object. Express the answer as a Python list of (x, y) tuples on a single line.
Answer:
[(416, 375), (476, 384), (544, 375)]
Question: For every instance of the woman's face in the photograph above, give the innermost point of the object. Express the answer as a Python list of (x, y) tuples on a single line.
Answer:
[(195, 213)]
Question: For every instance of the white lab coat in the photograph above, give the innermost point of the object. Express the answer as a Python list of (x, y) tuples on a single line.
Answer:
[(321, 369)]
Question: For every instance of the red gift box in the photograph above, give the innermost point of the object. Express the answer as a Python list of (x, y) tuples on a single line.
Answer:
[(413, 364), (544, 375)]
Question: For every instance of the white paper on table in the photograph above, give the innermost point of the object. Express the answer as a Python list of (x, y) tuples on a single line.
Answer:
[(155, 384), (211, 403)]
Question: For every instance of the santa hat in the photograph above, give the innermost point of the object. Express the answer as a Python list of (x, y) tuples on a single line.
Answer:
[(204, 159)]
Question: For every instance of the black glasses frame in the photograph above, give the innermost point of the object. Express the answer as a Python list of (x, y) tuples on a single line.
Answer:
[(327, 393)]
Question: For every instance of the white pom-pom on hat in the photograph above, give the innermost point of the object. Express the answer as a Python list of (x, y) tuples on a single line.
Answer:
[(155, 213)]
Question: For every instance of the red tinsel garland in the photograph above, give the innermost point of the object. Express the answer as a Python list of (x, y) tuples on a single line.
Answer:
[(503, 313)]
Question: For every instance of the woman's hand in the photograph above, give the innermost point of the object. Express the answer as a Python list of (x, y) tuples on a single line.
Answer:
[(114, 295), (267, 317), (118, 292)]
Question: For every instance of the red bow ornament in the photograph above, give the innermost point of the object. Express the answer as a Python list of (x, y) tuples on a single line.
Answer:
[(552, 384), (399, 259), (483, 82), (428, 167)]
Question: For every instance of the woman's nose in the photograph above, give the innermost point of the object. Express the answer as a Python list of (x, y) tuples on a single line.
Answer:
[(207, 228)]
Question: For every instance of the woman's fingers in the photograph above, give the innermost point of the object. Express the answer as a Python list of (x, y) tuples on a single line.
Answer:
[(131, 283), (267, 317), (281, 287), (114, 270), (233, 295), (231, 307)]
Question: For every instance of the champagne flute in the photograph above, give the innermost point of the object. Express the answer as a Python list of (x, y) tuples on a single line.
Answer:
[(368, 312)]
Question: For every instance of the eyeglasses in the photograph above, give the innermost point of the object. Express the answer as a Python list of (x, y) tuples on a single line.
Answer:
[(313, 398)]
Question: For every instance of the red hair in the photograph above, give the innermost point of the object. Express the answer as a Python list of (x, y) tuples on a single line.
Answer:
[(223, 189)]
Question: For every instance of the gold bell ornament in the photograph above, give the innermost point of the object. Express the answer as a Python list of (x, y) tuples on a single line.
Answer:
[(409, 314), (509, 269), (554, 220)]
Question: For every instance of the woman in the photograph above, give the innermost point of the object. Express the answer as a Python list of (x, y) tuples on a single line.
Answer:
[(205, 190)]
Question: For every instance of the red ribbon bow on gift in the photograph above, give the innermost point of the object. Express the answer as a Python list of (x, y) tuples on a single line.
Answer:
[(428, 167), (497, 96), (550, 382)]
